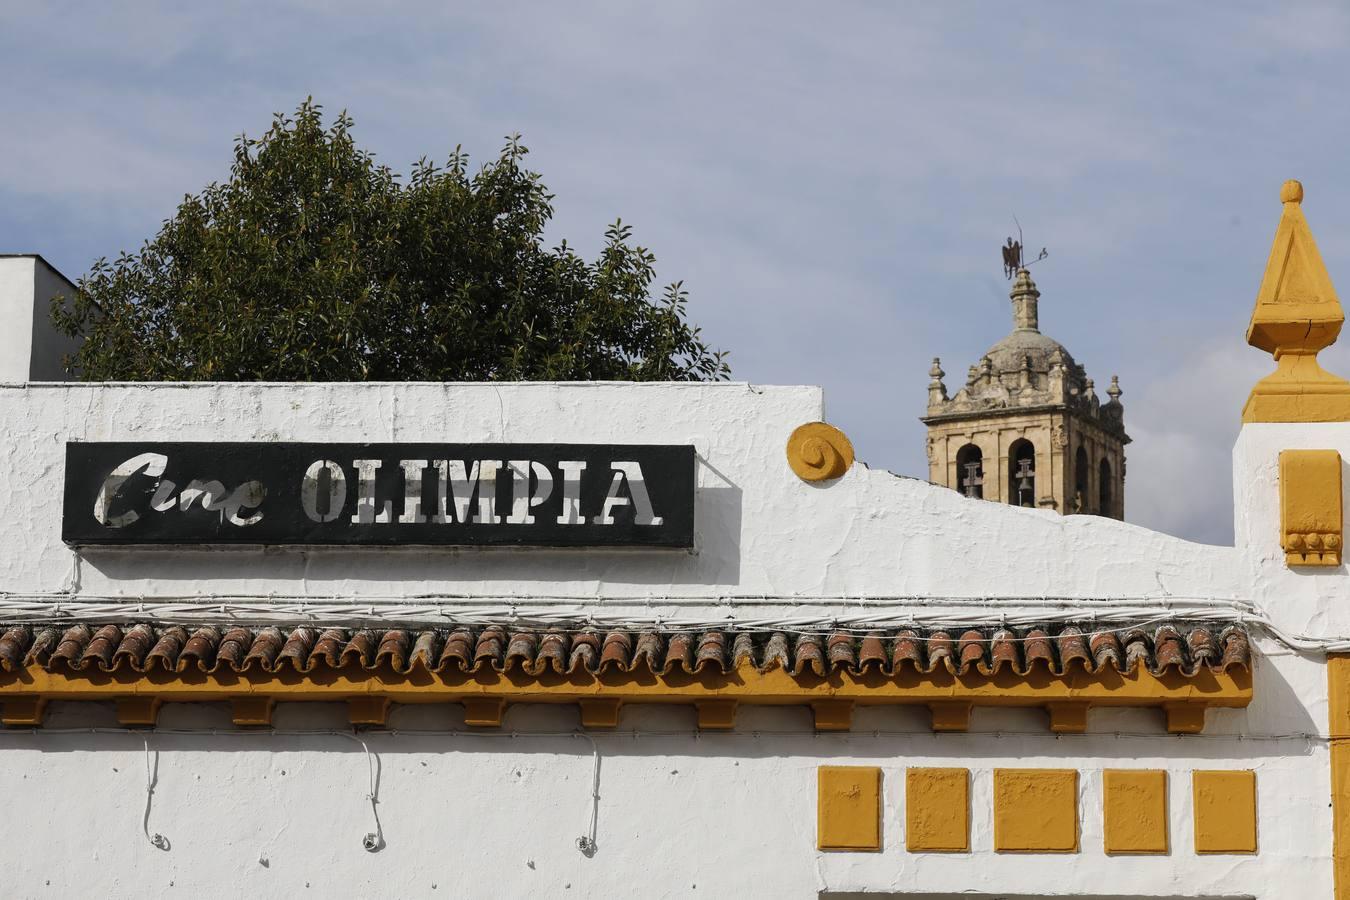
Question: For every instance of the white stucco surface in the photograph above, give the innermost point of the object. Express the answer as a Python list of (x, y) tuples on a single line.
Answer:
[(760, 531), (679, 814)]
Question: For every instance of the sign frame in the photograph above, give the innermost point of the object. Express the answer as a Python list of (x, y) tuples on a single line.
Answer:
[(218, 493)]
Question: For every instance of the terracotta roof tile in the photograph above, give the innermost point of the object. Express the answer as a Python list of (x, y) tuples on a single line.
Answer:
[(266, 648), (712, 651), (650, 651), (202, 648), (839, 651), (941, 650), (424, 650), (12, 646), (1003, 650), (393, 649), (141, 647), (1237, 650), (233, 646), (458, 649), (297, 649), (774, 654), (328, 648), (164, 654), (1039, 650), (872, 652), (585, 652), (742, 650), (810, 655), (615, 652), (679, 653), (1073, 645), (136, 643), (970, 649)]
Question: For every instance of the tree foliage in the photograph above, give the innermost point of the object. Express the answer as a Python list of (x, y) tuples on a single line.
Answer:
[(313, 263)]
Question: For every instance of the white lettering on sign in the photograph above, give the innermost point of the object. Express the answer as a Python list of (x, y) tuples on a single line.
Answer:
[(323, 502), (571, 498), (522, 501), (460, 483), (365, 498), (210, 495), (412, 491), (324, 489), (631, 474)]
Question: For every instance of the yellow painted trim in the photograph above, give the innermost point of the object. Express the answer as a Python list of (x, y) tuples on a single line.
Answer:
[(1036, 810), (716, 714), (1068, 717), (937, 810), (1310, 507), (485, 692), (600, 712), (848, 808), (1134, 810), (1338, 727), (1296, 315), (1224, 811), (818, 452)]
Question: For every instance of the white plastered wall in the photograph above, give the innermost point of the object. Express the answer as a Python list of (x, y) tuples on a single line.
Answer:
[(679, 814), (31, 349)]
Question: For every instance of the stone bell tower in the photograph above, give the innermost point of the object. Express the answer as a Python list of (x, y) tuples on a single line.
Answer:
[(1028, 428)]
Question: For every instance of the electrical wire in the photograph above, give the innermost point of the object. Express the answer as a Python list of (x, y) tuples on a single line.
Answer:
[(828, 614), (373, 840), (157, 840), (586, 843)]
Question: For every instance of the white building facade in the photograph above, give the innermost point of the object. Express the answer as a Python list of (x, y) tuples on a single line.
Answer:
[(839, 682)]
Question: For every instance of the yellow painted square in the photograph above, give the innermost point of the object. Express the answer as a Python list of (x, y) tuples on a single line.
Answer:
[(1225, 811), (1134, 809), (937, 810), (848, 808), (1036, 810)]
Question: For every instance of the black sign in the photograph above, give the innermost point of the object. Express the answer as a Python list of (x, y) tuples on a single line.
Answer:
[(256, 493)]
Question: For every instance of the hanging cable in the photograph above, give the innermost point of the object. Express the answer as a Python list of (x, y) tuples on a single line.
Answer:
[(157, 840), (586, 843), (373, 840)]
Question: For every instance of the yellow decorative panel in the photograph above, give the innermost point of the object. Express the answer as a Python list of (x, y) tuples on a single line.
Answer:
[(1225, 811), (848, 808), (1134, 809), (1036, 810), (1310, 507), (937, 810)]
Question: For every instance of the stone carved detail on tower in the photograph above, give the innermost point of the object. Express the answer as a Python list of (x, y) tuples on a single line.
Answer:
[(1028, 395)]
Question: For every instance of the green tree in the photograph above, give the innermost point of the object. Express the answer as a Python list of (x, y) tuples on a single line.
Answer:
[(313, 263)]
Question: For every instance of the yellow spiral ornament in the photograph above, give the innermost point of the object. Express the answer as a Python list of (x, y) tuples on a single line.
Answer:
[(818, 452)]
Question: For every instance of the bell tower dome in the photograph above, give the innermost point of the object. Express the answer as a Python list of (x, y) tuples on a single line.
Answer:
[(1028, 427)]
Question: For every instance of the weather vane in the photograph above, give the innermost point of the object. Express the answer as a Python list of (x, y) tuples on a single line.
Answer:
[(1012, 254)]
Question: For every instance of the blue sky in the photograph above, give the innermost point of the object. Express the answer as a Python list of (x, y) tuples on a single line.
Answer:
[(831, 181)]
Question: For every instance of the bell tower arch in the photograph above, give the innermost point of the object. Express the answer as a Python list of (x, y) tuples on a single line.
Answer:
[(1030, 418)]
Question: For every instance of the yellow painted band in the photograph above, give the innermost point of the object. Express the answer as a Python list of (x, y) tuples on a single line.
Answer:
[(938, 690)]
